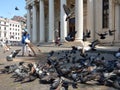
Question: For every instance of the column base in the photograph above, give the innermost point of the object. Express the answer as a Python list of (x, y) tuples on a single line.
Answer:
[(51, 41), (41, 41), (63, 40), (81, 41)]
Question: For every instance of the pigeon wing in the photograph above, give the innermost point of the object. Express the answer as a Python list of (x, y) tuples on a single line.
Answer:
[(98, 33), (66, 9)]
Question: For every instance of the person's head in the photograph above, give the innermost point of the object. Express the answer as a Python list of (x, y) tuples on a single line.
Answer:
[(25, 33)]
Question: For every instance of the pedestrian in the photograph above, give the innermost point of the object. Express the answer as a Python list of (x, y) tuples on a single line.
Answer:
[(8, 43), (57, 41), (27, 44), (4, 45)]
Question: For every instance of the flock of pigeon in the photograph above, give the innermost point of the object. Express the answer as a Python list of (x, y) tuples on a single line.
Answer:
[(70, 67)]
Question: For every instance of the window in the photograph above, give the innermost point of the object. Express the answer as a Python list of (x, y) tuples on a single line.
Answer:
[(105, 13), (5, 28), (4, 34)]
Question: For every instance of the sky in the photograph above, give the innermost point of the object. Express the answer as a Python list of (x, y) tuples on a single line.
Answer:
[(7, 8)]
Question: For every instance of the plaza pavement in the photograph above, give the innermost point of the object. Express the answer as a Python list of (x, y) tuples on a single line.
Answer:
[(6, 83), (47, 47)]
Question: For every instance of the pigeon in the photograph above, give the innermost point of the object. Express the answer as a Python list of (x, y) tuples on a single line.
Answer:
[(93, 44), (102, 35), (117, 54), (55, 83), (12, 55), (87, 34), (15, 52), (70, 36), (16, 8), (68, 12), (111, 32)]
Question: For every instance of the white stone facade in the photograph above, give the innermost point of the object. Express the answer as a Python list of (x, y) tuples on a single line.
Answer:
[(10, 30), (45, 18)]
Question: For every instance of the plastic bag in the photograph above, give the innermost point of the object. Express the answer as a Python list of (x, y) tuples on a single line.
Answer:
[(27, 40)]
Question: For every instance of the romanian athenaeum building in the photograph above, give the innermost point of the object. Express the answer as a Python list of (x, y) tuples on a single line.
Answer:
[(46, 19)]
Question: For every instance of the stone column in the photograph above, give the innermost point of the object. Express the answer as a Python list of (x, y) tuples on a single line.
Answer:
[(90, 18), (63, 22), (28, 20), (119, 25), (79, 19), (51, 21), (111, 21), (34, 32), (38, 36), (117, 21), (42, 21)]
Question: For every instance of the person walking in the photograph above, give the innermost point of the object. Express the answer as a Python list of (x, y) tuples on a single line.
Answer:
[(8, 44), (4, 45), (57, 41), (26, 44)]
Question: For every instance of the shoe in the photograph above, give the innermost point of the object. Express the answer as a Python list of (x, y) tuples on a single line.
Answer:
[(30, 55)]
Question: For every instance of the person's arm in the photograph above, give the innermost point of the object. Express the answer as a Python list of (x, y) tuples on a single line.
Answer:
[(28, 36)]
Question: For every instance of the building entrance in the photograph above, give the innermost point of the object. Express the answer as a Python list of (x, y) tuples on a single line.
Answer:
[(72, 27)]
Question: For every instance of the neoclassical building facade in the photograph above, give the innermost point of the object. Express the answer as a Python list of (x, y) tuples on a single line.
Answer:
[(46, 19)]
